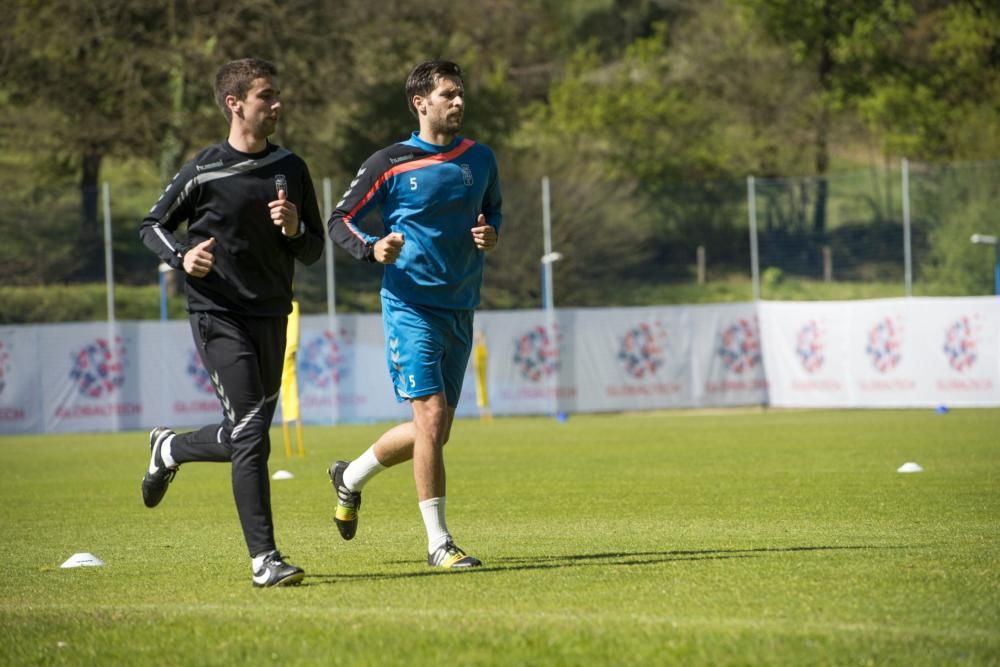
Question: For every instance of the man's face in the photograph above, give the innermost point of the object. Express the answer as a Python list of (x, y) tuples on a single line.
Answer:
[(259, 111), (444, 107)]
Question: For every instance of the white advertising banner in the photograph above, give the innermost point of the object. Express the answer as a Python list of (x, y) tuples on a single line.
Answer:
[(633, 359), (342, 372), (528, 373), (806, 352), (959, 348), (90, 377), (879, 353), (175, 387), (883, 358), (726, 355), (883, 353), (20, 381)]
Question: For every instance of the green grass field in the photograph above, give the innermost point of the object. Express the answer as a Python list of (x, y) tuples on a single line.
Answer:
[(722, 538)]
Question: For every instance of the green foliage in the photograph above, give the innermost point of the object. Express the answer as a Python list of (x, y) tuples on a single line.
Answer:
[(83, 303), (734, 537), (772, 277), (88, 302), (939, 98), (646, 115), (628, 115), (955, 204)]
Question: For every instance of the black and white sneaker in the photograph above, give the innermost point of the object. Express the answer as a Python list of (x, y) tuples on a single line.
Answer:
[(348, 502), (448, 555), (158, 477), (274, 571)]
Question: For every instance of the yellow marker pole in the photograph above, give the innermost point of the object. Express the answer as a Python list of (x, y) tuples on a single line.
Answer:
[(480, 357), (289, 384)]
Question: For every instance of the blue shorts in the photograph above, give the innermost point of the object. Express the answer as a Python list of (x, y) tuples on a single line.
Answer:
[(427, 349)]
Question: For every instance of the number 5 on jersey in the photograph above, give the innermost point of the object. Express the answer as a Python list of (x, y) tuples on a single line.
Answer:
[(413, 182)]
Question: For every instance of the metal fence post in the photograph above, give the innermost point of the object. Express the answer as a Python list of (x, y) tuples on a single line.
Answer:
[(548, 301), (331, 291), (754, 257), (549, 298), (109, 276), (164, 270), (331, 279), (907, 248)]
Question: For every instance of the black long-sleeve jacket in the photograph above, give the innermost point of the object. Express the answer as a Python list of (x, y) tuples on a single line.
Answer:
[(223, 194)]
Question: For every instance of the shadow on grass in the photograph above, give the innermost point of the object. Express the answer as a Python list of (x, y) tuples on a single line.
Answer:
[(610, 559)]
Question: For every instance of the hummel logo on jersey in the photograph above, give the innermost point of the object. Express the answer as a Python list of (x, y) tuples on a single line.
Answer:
[(210, 165), (401, 158), (466, 174)]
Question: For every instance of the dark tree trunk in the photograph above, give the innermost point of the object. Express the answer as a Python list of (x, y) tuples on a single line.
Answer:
[(91, 265), (824, 73), (90, 172)]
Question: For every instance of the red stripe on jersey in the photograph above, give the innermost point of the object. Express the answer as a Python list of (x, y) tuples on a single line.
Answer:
[(401, 169)]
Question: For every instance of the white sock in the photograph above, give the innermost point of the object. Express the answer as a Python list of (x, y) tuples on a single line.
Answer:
[(258, 560), (437, 531), (362, 469), (165, 455)]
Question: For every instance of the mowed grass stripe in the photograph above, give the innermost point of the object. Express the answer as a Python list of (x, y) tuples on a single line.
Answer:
[(767, 537), (487, 615)]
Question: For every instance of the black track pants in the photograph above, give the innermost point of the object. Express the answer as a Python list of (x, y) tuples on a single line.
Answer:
[(244, 357)]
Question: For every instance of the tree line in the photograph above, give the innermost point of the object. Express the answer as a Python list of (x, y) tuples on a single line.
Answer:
[(648, 111)]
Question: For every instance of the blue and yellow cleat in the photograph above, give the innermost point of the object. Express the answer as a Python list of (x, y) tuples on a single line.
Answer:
[(348, 502), (450, 556)]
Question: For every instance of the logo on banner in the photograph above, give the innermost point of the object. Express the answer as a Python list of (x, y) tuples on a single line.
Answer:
[(99, 368), (960, 344), (324, 360), (739, 345), (536, 354), (884, 343), (961, 348), (4, 366), (196, 371), (7, 414), (641, 349), (202, 381), (809, 346)]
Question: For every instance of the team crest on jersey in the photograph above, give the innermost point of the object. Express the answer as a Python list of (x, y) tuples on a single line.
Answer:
[(466, 174)]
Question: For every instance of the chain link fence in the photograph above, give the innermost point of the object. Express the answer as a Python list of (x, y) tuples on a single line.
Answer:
[(904, 228)]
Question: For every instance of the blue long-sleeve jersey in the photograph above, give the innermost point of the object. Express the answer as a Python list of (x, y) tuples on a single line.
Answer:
[(432, 195)]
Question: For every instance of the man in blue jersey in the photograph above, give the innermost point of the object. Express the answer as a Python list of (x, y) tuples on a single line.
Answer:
[(439, 195)]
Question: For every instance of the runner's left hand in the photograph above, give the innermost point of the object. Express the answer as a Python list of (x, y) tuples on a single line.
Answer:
[(484, 236)]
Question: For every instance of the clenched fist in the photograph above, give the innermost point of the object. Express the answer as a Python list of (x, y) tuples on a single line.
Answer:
[(198, 261)]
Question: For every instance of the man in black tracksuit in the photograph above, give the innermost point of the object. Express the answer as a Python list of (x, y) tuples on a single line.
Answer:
[(251, 210)]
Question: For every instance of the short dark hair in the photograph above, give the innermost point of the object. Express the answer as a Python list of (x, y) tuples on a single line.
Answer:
[(236, 77), (423, 79)]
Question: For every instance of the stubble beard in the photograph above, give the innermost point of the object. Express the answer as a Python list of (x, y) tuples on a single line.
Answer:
[(446, 125), (265, 128)]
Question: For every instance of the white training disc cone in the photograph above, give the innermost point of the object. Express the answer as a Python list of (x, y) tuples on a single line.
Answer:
[(282, 474), (910, 466), (83, 559)]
